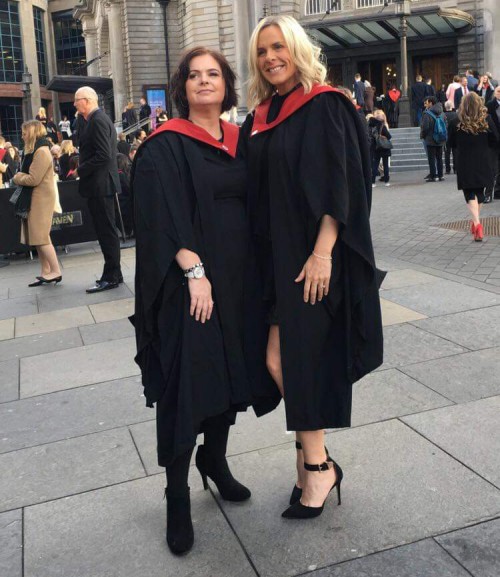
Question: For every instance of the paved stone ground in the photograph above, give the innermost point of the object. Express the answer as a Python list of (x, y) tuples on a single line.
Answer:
[(80, 490)]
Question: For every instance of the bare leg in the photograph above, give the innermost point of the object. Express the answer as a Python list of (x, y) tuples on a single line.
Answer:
[(273, 359), (317, 484), (48, 258), (474, 208)]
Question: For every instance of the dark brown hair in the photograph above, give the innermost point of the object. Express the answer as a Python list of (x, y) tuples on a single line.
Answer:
[(180, 76)]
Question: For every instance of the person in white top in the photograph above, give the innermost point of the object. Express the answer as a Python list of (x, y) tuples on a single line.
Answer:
[(65, 128), (450, 91)]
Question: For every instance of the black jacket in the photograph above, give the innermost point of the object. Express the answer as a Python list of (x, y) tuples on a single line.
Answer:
[(376, 127), (492, 107), (145, 111), (459, 94), (98, 169), (427, 125), (359, 92), (486, 94), (475, 155), (418, 94)]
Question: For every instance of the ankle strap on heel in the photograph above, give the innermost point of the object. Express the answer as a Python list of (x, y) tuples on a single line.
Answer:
[(319, 468)]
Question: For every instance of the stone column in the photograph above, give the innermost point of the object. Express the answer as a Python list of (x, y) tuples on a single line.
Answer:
[(242, 23), (90, 35), (29, 52), (116, 59), (492, 38)]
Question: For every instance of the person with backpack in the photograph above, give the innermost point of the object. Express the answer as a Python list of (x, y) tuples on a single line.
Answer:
[(434, 133)]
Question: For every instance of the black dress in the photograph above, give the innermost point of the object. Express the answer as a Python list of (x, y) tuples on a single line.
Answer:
[(193, 371), (311, 161)]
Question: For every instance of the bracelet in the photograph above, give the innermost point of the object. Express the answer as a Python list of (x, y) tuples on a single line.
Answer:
[(322, 257)]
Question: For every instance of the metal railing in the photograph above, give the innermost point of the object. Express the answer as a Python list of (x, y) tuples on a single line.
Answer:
[(322, 6), (137, 126), (374, 3)]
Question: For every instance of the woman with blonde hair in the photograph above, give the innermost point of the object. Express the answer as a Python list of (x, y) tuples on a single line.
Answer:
[(380, 149), (309, 203), (67, 152), (474, 136), (42, 116), (38, 200)]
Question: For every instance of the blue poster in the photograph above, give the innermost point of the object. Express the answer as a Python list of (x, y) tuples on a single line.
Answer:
[(156, 97)]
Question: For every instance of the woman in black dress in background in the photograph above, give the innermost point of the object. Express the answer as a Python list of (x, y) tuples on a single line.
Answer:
[(193, 280), (309, 199)]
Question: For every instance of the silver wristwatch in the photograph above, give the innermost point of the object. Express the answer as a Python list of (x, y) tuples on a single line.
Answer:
[(196, 271)]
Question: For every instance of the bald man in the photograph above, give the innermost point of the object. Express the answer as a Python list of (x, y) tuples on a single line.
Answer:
[(99, 182)]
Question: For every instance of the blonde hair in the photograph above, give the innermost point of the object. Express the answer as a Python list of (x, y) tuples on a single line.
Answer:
[(382, 115), (42, 112), (305, 54), (130, 106), (33, 130), (67, 147), (472, 114)]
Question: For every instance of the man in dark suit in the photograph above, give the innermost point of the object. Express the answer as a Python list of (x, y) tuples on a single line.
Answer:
[(418, 94), (461, 92), (493, 107), (99, 182), (145, 112), (359, 90)]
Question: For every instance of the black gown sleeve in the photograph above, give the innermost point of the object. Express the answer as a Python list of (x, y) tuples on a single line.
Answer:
[(163, 213)]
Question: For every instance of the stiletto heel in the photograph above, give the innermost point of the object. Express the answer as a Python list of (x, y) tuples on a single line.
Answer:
[(300, 511), (218, 471), (297, 491)]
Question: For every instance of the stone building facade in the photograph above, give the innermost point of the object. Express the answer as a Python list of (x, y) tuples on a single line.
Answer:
[(125, 40)]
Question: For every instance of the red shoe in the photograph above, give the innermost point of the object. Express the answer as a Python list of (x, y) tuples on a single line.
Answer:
[(473, 228), (478, 234)]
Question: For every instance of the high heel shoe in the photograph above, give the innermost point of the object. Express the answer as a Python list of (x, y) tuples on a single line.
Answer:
[(218, 471), (180, 534), (472, 228), (479, 233), (297, 491), (300, 511)]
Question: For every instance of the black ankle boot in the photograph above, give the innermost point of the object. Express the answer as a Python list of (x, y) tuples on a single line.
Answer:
[(180, 535), (218, 470)]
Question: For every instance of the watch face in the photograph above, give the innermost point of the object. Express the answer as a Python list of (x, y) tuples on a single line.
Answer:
[(198, 272)]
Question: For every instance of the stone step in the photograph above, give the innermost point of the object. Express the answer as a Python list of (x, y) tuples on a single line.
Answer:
[(408, 162)]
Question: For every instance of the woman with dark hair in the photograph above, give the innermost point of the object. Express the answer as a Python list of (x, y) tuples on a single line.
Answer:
[(309, 199), (474, 137), (73, 164), (194, 344)]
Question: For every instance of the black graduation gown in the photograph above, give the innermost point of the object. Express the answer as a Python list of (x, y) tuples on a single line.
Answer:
[(311, 161), (194, 371)]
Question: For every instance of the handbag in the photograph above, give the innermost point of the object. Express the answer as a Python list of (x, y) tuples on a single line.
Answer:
[(16, 194), (382, 143)]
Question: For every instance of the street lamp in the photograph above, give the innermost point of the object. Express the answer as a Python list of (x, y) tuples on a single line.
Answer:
[(403, 8), (164, 5), (27, 81)]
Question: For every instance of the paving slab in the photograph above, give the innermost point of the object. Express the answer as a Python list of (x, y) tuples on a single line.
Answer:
[(442, 297), (53, 321), (78, 367), (18, 307), (406, 344), (476, 329), (393, 314), (144, 435), (7, 329), (423, 559), (461, 378), (4, 292), (113, 310), (9, 381), (450, 428), (120, 532), (476, 548), (388, 394), (11, 543), (39, 344), (106, 331), (68, 467), (81, 298), (398, 488), (75, 412), (406, 277)]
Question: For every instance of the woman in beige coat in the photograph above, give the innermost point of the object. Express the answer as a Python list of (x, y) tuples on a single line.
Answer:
[(35, 230)]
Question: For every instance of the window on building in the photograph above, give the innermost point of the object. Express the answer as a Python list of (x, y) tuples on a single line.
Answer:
[(11, 118), (69, 44), (40, 45), (11, 52)]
